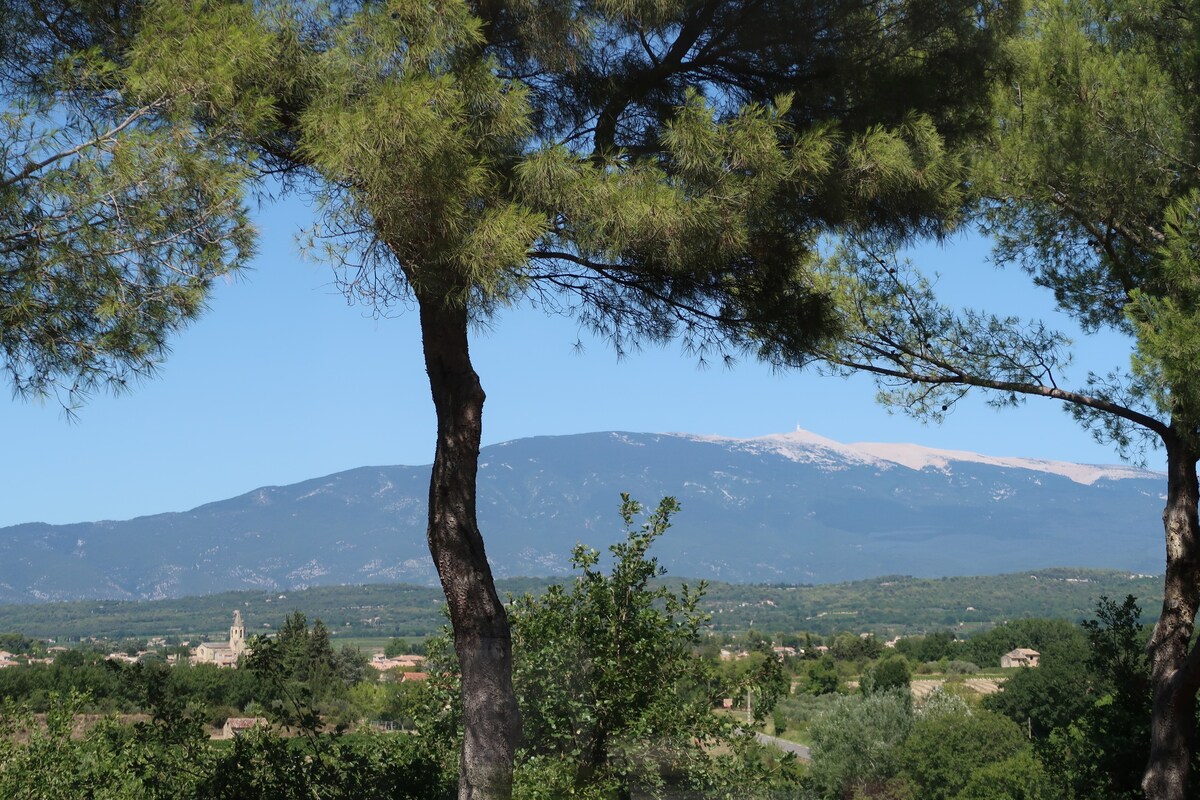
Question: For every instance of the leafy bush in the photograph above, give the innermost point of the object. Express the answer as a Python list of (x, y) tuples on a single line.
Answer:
[(944, 748), (886, 675), (820, 677), (857, 742), (262, 765), (1019, 777), (799, 710)]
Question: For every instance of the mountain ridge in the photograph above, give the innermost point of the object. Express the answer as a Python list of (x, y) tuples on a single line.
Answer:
[(918, 457), (789, 507)]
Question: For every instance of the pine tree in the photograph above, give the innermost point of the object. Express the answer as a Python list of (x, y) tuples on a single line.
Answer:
[(1093, 189), (116, 213)]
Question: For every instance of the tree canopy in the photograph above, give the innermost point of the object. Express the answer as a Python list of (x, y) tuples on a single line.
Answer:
[(1092, 187), (116, 214)]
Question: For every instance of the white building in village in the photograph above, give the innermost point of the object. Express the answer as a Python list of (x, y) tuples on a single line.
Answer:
[(223, 654)]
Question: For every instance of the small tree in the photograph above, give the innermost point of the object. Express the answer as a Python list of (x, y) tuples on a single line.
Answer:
[(888, 674), (931, 647), (605, 673), (821, 676), (943, 749), (858, 742), (300, 674), (399, 646)]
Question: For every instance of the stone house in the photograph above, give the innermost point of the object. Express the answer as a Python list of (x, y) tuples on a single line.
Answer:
[(236, 726), (1021, 657)]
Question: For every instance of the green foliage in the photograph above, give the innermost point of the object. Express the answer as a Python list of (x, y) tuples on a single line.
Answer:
[(611, 694), (212, 688), (858, 742), (1069, 683), (896, 604), (820, 677), (1019, 777), (656, 186), (18, 644), (779, 721), (888, 606), (854, 647), (1089, 711), (150, 761), (674, 183), (1117, 645), (378, 610), (300, 675), (863, 746), (1101, 208), (1118, 723), (1047, 698), (876, 745), (944, 701), (261, 764), (943, 749), (760, 675), (1091, 187), (930, 647), (1053, 638), (470, 153), (108, 686), (116, 213), (398, 647), (797, 712), (170, 757), (422, 140), (1092, 76), (888, 674)]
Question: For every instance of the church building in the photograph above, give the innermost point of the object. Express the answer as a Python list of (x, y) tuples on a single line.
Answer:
[(223, 654)]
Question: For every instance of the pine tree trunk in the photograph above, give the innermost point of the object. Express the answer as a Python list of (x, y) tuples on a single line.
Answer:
[(1175, 673), (482, 638)]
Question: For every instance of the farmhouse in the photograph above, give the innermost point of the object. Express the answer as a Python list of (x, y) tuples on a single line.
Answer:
[(1021, 657), (236, 726)]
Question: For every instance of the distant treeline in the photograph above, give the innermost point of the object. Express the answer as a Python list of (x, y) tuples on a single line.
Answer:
[(887, 606), (370, 610), (894, 605)]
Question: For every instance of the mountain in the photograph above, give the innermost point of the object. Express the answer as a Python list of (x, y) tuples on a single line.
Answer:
[(794, 508)]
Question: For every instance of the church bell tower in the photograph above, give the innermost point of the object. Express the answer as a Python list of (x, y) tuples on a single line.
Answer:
[(237, 635)]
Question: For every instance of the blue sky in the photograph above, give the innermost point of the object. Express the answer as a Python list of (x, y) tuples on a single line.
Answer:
[(283, 381)]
